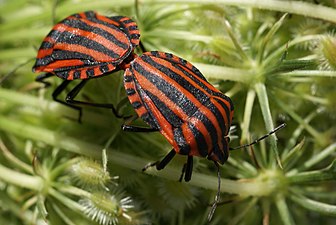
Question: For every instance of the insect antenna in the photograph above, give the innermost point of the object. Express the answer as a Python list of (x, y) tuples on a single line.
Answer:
[(10, 73), (261, 138)]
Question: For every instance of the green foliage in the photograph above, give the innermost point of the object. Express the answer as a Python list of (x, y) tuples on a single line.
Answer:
[(277, 66)]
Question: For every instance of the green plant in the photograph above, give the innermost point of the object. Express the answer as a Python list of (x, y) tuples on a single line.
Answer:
[(277, 66)]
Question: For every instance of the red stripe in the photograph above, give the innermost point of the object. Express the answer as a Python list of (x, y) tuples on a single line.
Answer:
[(59, 64), (97, 55), (70, 75), (83, 74)]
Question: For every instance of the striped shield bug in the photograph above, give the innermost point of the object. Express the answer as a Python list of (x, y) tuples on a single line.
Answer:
[(83, 46), (174, 98)]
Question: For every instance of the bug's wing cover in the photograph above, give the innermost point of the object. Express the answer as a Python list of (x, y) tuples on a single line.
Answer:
[(178, 96), (82, 41)]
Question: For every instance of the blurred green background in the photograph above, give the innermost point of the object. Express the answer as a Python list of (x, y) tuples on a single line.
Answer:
[(275, 59)]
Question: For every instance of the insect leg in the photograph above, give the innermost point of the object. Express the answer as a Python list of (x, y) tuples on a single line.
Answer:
[(41, 78), (183, 171), (58, 91), (189, 168), (130, 128), (161, 164), (74, 92)]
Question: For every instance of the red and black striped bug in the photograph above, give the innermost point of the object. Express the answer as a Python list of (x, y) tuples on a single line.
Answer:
[(84, 46), (173, 97)]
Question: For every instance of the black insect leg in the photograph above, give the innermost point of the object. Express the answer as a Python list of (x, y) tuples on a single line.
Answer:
[(183, 172), (58, 91), (161, 164), (60, 88), (130, 128), (187, 170), (41, 78), (74, 92)]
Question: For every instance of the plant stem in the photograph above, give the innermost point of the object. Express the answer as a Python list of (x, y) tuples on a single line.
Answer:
[(283, 210), (49, 107), (20, 179), (265, 109), (247, 188), (310, 73), (224, 73), (316, 206), (294, 7), (66, 201), (322, 140), (247, 114), (312, 176)]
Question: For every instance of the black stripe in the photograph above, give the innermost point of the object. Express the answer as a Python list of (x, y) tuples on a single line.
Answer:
[(184, 147), (135, 36), (136, 105), (200, 139), (116, 18), (169, 55), (227, 113), (226, 149), (218, 115), (90, 73), (74, 15), (178, 98), (90, 14), (80, 24), (44, 61), (155, 53), (70, 38), (225, 98), (46, 45), (64, 54), (127, 21), (76, 74), (150, 120), (133, 28), (128, 78), (104, 68), (183, 61), (130, 91), (62, 74), (169, 115)]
